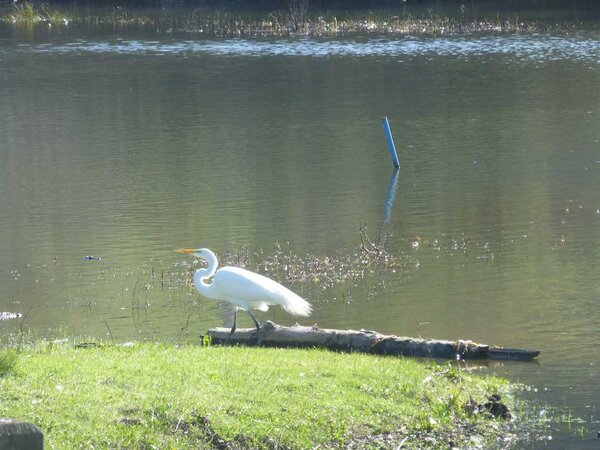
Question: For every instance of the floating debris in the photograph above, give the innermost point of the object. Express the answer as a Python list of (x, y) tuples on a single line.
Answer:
[(90, 345), (494, 408), (327, 271), (9, 315), (91, 258)]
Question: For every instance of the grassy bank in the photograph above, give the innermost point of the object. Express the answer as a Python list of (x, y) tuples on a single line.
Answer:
[(151, 395), (296, 20)]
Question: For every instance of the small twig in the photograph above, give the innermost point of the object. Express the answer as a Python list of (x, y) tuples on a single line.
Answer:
[(187, 324), (401, 443), (23, 320), (369, 247), (109, 332), (21, 332), (178, 423)]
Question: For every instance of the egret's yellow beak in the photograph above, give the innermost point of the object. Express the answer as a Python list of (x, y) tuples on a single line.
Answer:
[(186, 250)]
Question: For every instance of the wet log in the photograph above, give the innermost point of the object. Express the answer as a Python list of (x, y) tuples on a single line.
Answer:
[(513, 354), (365, 341)]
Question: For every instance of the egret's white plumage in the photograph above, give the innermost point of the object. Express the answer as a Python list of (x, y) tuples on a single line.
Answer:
[(244, 289)]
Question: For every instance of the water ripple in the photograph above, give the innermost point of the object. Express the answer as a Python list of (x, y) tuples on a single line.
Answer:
[(533, 47)]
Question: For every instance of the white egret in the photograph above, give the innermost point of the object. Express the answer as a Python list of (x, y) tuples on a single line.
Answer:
[(244, 289)]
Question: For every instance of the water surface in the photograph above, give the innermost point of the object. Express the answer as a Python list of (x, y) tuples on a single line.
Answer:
[(125, 148)]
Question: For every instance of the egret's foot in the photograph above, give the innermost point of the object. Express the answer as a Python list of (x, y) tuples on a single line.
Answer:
[(229, 338), (257, 325), (234, 327)]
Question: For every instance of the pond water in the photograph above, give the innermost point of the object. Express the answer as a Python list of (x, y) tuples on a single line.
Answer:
[(126, 147)]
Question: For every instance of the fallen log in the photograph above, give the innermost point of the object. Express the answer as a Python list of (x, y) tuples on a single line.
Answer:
[(365, 341)]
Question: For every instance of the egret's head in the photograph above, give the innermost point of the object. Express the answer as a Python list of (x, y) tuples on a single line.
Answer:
[(197, 252)]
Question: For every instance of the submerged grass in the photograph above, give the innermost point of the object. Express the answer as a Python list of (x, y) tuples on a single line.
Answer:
[(150, 395)]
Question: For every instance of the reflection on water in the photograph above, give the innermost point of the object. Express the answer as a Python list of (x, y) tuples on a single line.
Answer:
[(125, 149), (517, 47), (391, 195)]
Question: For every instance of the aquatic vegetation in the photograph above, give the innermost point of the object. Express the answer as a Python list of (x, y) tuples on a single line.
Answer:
[(28, 13), (371, 259), (286, 265), (296, 20)]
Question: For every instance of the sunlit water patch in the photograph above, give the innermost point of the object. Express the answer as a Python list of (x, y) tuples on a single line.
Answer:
[(528, 47)]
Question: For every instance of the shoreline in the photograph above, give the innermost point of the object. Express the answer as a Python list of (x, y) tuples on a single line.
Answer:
[(181, 396), (289, 23)]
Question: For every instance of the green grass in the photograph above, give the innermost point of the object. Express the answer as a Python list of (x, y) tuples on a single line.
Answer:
[(154, 395), (8, 359), (28, 13)]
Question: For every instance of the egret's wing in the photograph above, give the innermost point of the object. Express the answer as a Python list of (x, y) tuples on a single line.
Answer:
[(244, 288), (257, 291)]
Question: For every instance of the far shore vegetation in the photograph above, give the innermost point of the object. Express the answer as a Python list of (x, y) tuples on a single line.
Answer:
[(157, 395), (291, 18)]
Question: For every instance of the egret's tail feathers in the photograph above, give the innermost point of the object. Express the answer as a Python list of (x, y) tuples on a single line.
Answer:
[(296, 305)]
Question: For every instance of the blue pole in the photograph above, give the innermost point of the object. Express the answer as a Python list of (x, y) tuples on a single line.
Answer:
[(390, 142)]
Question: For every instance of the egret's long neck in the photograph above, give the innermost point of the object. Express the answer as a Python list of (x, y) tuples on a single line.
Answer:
[(202, 275)]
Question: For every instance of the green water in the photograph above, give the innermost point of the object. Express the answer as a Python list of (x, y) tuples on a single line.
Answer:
[(126, 148)]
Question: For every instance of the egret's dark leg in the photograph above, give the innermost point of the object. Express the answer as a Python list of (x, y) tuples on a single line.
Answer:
[(234, 325), (257, 327)]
